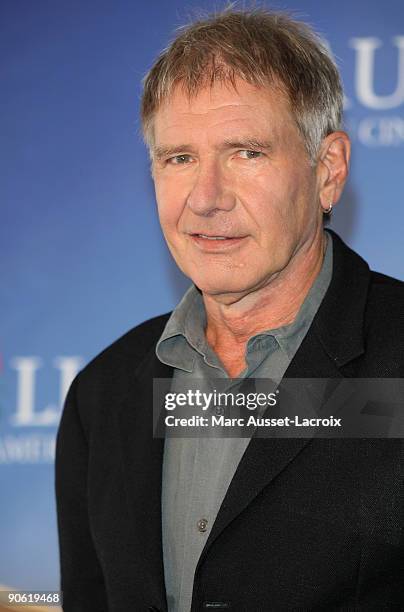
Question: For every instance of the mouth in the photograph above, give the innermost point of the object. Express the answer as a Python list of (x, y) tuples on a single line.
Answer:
[(214, 237), (211, 242)]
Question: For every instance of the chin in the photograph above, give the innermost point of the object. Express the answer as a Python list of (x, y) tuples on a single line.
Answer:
[(221, 286)]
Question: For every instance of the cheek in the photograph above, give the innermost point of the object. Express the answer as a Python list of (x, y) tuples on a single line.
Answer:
[(268, 202), (167, 205), (279, 206), (171, 196), (168, 222)]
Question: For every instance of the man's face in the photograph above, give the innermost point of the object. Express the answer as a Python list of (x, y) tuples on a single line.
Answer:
[(237, 197)]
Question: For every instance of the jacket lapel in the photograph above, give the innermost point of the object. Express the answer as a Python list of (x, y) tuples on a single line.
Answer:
[(265, 458), (142, 458), (335, 338)]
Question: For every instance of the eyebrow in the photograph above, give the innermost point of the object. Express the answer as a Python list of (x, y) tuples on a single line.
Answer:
[(247, 143), (160, 152)]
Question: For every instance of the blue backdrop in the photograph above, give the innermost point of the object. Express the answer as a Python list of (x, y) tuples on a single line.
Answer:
[(82, 255)]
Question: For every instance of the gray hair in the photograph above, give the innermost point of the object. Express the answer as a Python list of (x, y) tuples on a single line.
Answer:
[(266, 49)]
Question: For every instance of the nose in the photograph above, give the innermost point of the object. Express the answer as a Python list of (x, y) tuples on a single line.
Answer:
[(210, 192)]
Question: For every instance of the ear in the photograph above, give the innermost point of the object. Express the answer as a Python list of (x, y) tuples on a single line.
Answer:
[(332, 168)]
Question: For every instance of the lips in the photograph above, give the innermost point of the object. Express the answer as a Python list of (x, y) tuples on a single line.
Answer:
[(214, 237), (215, 242)]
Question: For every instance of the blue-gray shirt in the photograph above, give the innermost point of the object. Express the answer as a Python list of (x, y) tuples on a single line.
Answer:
[(197, 471)]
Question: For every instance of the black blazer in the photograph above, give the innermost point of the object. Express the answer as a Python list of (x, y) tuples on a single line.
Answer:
[(305, 525)]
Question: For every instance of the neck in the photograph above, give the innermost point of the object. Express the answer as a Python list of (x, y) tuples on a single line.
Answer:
[(230, 325)]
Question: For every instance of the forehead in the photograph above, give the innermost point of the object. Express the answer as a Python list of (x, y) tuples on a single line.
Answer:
[(223, 107)]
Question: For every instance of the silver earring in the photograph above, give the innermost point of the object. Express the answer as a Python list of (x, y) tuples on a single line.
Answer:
[(328, 211)]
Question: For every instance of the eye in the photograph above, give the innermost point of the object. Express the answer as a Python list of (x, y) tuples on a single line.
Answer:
[(247, 154), (180, 159)]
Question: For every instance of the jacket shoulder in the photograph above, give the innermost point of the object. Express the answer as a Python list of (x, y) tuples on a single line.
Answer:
[(109, 378), (384, 325), (386, 296), (125, 354), (378, 279)]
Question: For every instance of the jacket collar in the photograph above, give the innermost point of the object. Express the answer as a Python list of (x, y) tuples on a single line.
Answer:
[(339, 323)]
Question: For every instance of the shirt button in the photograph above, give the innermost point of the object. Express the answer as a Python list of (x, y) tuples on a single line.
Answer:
[(202, 525), (219, 410)]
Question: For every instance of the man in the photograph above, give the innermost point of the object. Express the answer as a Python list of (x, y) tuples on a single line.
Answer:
[(242, 118)]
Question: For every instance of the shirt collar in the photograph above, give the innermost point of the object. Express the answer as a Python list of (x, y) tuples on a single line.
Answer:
[(184, 332)]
